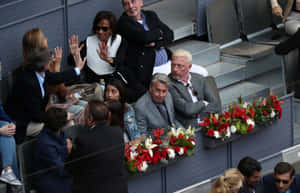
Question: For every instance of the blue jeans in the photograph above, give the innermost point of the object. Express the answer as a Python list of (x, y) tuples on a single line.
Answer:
[(8, 151)]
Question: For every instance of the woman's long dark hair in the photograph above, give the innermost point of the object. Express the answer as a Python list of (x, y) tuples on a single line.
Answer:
[(112, 21), (122, 91)]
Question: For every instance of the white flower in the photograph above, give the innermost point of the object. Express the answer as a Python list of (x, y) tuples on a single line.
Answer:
[(181, 152), (217, 116), (144, 166), (171, 153), (133, 155), (177, 132), (233, 129), (272, 115), (193, 143), (228, 133), (250, 122), (245, 105), (149, 145), (217, 134), (190, 131)]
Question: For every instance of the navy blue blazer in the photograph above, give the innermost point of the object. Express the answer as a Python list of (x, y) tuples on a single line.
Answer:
[(269, 184), (51, 152)]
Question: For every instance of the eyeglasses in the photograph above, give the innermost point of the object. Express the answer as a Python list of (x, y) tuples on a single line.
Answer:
[(103, 28), (283, 181)]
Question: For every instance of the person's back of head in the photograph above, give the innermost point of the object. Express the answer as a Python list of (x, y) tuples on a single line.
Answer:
[(97, 112), (32, 39), (55, 119), (229, 182), (117, 112), (38, 59), (248, 166)]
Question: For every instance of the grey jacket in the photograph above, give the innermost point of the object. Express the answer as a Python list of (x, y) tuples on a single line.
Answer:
[(186, 110), (148, 116)]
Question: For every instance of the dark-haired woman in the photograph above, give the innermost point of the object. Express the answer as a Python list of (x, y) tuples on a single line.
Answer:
[(52, 149), (115, 90), (104, 49), (29, 99)]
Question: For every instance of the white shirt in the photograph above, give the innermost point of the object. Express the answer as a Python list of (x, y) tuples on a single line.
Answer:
[(94, 61)]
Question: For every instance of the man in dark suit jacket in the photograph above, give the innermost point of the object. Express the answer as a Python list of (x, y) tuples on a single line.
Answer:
[(155, 109), (98, 156), (282, 180), (29, 98), (250, 168), (192, 96), (147, 37)]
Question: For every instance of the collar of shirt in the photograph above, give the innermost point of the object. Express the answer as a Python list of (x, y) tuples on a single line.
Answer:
[(188, 84), (41, 79)]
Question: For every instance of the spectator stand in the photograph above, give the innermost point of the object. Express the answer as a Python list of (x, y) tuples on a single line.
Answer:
[(260, 69)]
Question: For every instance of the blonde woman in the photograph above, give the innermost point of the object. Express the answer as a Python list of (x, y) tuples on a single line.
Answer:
[(229, 182)]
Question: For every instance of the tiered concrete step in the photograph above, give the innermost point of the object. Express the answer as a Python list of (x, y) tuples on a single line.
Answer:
[(3, 188), (226, 73), (203, 53), (247, 90), (273, 80), (179, 15), (256, 67)]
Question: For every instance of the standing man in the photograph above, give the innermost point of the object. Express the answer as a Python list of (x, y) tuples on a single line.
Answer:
[(98, 154), (155, 109), (250, 168), (147, 37), (283, 180), (192, 96), (290, 16)]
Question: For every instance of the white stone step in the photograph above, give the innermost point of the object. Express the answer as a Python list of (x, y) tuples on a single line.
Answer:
[(179, 15), (247, 90), (272, 80), (226, 73), (203, 53), (256, 67)]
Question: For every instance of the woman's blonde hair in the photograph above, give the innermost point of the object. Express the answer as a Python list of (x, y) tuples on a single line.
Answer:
[(230, 180), (34, 38)]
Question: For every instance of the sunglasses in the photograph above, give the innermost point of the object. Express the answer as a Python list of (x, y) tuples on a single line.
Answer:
[(283, 181), (104, 28)]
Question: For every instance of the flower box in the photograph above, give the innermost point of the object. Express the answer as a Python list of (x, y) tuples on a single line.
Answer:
[(212, 143)]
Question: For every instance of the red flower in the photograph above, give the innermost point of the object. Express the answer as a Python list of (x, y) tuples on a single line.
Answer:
[(265, 112), (164, 152), (210, 132), (205, 123), (177, 148), (226, 115), (215, 121), (250, 128), (156, 158), (158, 132), (190, 145)]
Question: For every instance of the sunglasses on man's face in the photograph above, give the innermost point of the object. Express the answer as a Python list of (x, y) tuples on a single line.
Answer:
[(103, 28), (283, 181)]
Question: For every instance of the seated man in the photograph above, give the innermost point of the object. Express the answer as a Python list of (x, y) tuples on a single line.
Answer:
[(29, 99), (8, 150), (250, 168), (98, 154), (147, 37), (193, 98), (155, 109), (282, 180)]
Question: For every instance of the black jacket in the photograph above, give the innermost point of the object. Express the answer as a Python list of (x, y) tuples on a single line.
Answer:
[(26, 103), (98, 161), (139, 60)]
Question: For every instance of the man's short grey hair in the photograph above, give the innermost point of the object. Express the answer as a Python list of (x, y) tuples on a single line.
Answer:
[(183, 53), (162, 78)]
